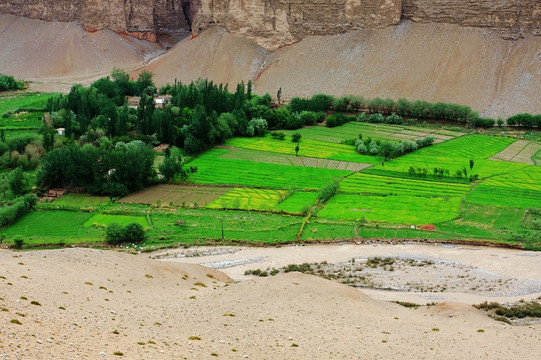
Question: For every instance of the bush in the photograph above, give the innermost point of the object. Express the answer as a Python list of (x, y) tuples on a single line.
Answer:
[(394, 119), (18, 240), (114, 234), (18, 208), (278, 135), (296, 137), (376, 118), (308, 117), (328, 191), (134, 233), (338, 119)]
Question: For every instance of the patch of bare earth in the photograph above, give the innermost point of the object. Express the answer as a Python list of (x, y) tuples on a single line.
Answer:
[(102, 304), (520, 151)]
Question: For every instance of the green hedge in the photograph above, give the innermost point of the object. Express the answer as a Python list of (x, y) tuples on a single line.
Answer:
[(18, 208)]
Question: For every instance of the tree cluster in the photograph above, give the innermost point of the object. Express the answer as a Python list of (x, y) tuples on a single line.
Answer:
[(114, 172), (388, 149), (133, 233), (9, 83)]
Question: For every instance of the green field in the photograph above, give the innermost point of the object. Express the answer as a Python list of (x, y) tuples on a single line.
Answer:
[(308, 148), (248, 199), (35, 103), (392, 209), (102, 220), (362, 183), (382, 132), (454, 155), (216, 171), (258, 191), (44, 227)]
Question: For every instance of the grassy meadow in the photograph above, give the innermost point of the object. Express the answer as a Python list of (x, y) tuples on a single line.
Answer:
[(257, 190)]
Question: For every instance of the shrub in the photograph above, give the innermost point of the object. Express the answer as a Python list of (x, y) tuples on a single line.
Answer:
[(18, 208), (328, 191), (114, 234), (394, 119), (338, 119), (134, 233), (376, 118), (296, 137), (18, 240), (308, 117), (278, 135)]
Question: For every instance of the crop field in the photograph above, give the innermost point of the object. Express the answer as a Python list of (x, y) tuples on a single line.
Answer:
[(258, 191), (298, 203), (216, 171), (283, 159), (383, 132), (45, 227), (520, 151), (519, 189), (362, 183), (102, 220), (80, 201), (391, 209), (177, 195), (454, 155), (307, 147), (199, 225), (248, 199), (14, 101)]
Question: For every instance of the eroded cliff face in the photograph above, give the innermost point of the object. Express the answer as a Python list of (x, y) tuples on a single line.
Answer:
[(276, 22), (273, 23), (513, 18), (143, 19)]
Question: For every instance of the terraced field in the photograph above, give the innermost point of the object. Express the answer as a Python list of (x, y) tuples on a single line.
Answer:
[(381, 132), (454, 155), (214, 170), (520, 151), (11, 102), (519, 189), (362, 183), (308, 148), (248, 199), (258, 190), (282, 159), (178, 195), (400, 209)]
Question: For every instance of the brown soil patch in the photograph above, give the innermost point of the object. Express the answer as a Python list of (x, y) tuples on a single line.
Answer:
[(178, 195)]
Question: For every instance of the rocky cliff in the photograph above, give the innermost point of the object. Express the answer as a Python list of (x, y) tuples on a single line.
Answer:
[(513, 18), (276, 22), (140, 18)]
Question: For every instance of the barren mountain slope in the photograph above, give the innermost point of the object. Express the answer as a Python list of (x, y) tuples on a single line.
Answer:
[(215, 54), (92, 304), (433, 62), (64, 53)]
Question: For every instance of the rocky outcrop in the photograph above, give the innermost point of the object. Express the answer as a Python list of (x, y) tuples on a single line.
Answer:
[(277, 22), (272, 23), (513, 18), (142, 18)]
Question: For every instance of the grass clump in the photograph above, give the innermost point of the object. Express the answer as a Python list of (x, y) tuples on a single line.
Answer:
[(194, 338), (519, 310), (15, 321)]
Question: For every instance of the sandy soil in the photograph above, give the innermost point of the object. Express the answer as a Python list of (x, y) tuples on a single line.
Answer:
[(463, 274), (89, 304), (56, 55)]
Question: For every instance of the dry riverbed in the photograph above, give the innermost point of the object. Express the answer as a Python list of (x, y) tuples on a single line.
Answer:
[(415, 273)]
